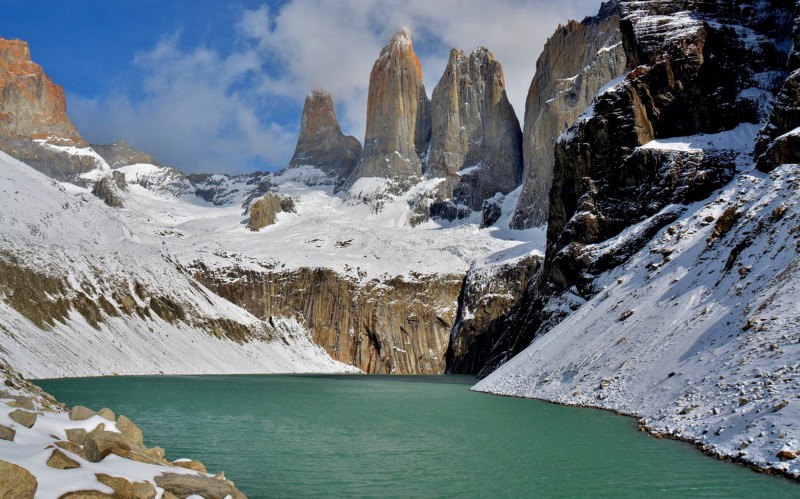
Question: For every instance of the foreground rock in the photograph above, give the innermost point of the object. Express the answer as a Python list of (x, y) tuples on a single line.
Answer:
[(321, 143), (398, 117), (22, 474), (110, 189), (264, 211)]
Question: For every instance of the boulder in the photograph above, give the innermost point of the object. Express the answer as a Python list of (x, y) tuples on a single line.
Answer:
[(76, 435), (107, 189), (80, 413), (190, 465), (99, 444), (264, 211), (25, 418), (60, 461), (71, 447), (107, 413), (126, 489), (185, 485), (16, 482), (22, 402), (7, 433), (130, 431)]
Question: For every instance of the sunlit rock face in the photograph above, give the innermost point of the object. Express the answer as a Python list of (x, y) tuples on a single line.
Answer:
[(577, 61), (398, 116), (476, 139), (321, 143)]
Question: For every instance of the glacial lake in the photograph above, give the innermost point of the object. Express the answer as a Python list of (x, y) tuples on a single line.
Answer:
[(406, 436)]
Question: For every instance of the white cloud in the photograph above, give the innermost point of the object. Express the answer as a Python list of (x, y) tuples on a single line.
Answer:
[(205, 111)]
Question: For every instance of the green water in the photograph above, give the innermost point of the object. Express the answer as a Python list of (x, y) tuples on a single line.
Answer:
[(414, 436)]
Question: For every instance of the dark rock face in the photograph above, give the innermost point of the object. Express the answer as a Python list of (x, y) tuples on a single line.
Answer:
[(577, 61), (109, 188), (779, 141), (398, 116), (321, 143), (476, 138), (121, 154), (693, 62)]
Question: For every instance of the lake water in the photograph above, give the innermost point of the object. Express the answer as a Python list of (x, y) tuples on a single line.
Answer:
[(409, 436)]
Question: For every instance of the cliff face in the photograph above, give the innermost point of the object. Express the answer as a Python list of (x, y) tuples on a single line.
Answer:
[(321, 143), (577, 61), (121, 154), (399, 325), (700, 68), (33, 117), (31, 105), (398, 116), (476, 137)]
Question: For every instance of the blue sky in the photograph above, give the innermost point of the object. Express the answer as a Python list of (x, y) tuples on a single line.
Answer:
[(209, 85)]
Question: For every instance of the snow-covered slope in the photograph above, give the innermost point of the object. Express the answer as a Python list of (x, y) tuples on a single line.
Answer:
[(86, 291), (698, 333)]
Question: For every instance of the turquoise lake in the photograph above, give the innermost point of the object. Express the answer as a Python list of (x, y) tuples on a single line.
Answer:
[(406, 436)]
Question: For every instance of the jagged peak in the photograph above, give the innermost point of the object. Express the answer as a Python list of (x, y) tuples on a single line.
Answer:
[(14, 49), (401, 40), (319, 93)]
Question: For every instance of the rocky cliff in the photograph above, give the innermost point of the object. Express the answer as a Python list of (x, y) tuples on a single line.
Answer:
[(397, 325), (476, 137), (120, 154), (577, 60), (699, 68), (33, 113), (321, 143), (398, 116)]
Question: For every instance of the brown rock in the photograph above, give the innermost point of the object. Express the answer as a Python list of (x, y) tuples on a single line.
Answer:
[(60, 461), (130, 431), (107, 413), (80, 413), (125, 489), (191, 465), (77, 435), (185, 485), (71, 447), (787, 455), (321, 143), (264, 210), (99, 444), (25, 418), (398, 116), (22, 402), (7, 433), (31, 105), (16, 482), (87, 494)]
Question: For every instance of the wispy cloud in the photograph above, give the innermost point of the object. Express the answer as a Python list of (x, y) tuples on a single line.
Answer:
[(203, 110)]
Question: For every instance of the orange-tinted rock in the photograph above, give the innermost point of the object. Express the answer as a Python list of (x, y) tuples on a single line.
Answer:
[(321, 143), (31, 105), (398, 116)]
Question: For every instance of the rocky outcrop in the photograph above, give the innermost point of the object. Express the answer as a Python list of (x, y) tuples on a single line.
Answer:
[(697, 66), (31, 105), (488, 304), (110, 188), (395, 325), (125, 444), (33, 115), (398, 117), (120, 154), (577, 61), (321, 143), (476, 137), (264, 210), (779, 141)]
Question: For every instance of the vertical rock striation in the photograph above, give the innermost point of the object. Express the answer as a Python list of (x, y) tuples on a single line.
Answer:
[(476, 140), (577, 61), (321, 143), (398, 116)]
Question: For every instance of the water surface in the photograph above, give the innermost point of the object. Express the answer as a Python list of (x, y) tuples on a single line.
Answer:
[(408, 436)]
